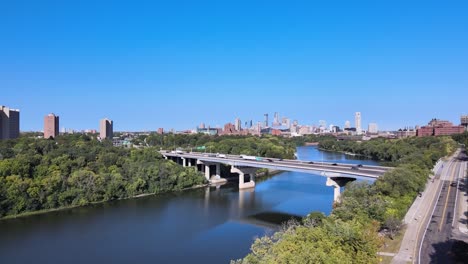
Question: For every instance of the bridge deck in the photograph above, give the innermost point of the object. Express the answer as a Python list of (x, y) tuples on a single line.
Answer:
[(320, 168)]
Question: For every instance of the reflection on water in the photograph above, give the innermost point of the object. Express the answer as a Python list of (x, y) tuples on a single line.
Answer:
[(210, 225)]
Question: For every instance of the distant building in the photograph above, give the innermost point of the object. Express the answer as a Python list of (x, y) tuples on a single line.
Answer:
[(9, 123), (51, 126), (229, 128), (202, 125), (237, 124), (208, 131), (286, 122), (266, 120), (464, 121), (304, 130), (347, 124), (437, 127), (276, 120), (373, 128), (106, 128), (357, 123), (160, 130), (404, 133)]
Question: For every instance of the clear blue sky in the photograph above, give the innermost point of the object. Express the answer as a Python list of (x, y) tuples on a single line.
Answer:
[(174, 64)]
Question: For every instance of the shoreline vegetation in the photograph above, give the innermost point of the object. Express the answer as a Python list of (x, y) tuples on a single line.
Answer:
[(45, 211), (366, 214), (44, 175)]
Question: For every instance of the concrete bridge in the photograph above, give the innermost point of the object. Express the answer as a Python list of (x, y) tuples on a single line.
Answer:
[(337, 174)]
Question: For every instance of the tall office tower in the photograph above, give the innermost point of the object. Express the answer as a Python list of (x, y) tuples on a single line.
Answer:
[(357, 122), (202, 125), (464, 121), (51, 126), (106, 128), (9, 123), (266, 120), (237, 124), (276, 121), (251, 124), (347, 124), (373, 128)]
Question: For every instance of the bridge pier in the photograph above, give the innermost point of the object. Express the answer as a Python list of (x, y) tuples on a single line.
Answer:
[(184, 162), (337, 183), (216, 178), (242, 171)]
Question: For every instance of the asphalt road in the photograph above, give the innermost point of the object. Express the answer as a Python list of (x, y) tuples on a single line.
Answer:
[(437, 240)]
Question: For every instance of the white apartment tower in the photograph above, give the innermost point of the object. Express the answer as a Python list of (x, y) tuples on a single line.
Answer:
[(357, 123)]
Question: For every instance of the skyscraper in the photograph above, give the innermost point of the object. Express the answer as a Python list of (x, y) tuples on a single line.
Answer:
[(276, 121), (9, 123), (266, 120), (237, 124), (106, 128), (51, 126), (357, 123)]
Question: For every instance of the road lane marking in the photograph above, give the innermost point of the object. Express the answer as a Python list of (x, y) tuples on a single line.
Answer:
[(449, 163), (447, 198)]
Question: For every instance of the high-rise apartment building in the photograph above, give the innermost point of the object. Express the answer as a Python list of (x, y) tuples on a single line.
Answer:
[(106, 128), (357, 123), (9, 123), (51, 126)]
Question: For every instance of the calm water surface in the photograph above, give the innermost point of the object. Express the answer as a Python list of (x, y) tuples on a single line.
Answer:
[(212, 225)]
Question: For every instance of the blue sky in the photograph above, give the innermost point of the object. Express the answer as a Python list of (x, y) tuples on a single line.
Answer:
[(174, 64)]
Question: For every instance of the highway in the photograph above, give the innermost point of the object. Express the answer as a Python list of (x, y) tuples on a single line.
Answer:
[(340, 169), (437, 239)]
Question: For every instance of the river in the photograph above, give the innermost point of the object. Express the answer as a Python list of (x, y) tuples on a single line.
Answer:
[(210, 225)]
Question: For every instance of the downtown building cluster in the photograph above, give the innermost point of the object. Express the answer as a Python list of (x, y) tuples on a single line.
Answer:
[(284, 126)]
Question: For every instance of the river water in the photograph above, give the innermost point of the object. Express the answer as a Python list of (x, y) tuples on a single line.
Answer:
[(211, 225)]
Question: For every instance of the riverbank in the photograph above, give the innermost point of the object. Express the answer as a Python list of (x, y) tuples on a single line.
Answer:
[(45, 211)]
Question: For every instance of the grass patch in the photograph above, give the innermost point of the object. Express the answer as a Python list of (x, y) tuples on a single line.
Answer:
[(393, 246)]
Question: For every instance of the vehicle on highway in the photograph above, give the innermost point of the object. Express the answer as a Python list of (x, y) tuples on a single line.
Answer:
[(310, 162), (269, 160), (280, 159), (221, 156), (209, 155), (354, 168), (247, 157), (453, 184), (360, 165), (334, 164)]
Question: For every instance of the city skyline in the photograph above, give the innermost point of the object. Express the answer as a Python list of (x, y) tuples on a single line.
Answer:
[(184, 64)]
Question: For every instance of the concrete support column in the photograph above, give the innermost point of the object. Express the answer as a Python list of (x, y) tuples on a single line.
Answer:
[(218, 171), (165, 157), (242, 171), (337, 183), (207, 172), (190, 162), (184, 162)]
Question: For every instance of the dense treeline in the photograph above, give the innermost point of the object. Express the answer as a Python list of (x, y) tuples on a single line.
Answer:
[(265, 146), (461, 138), (38, 174), (350, 233)]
